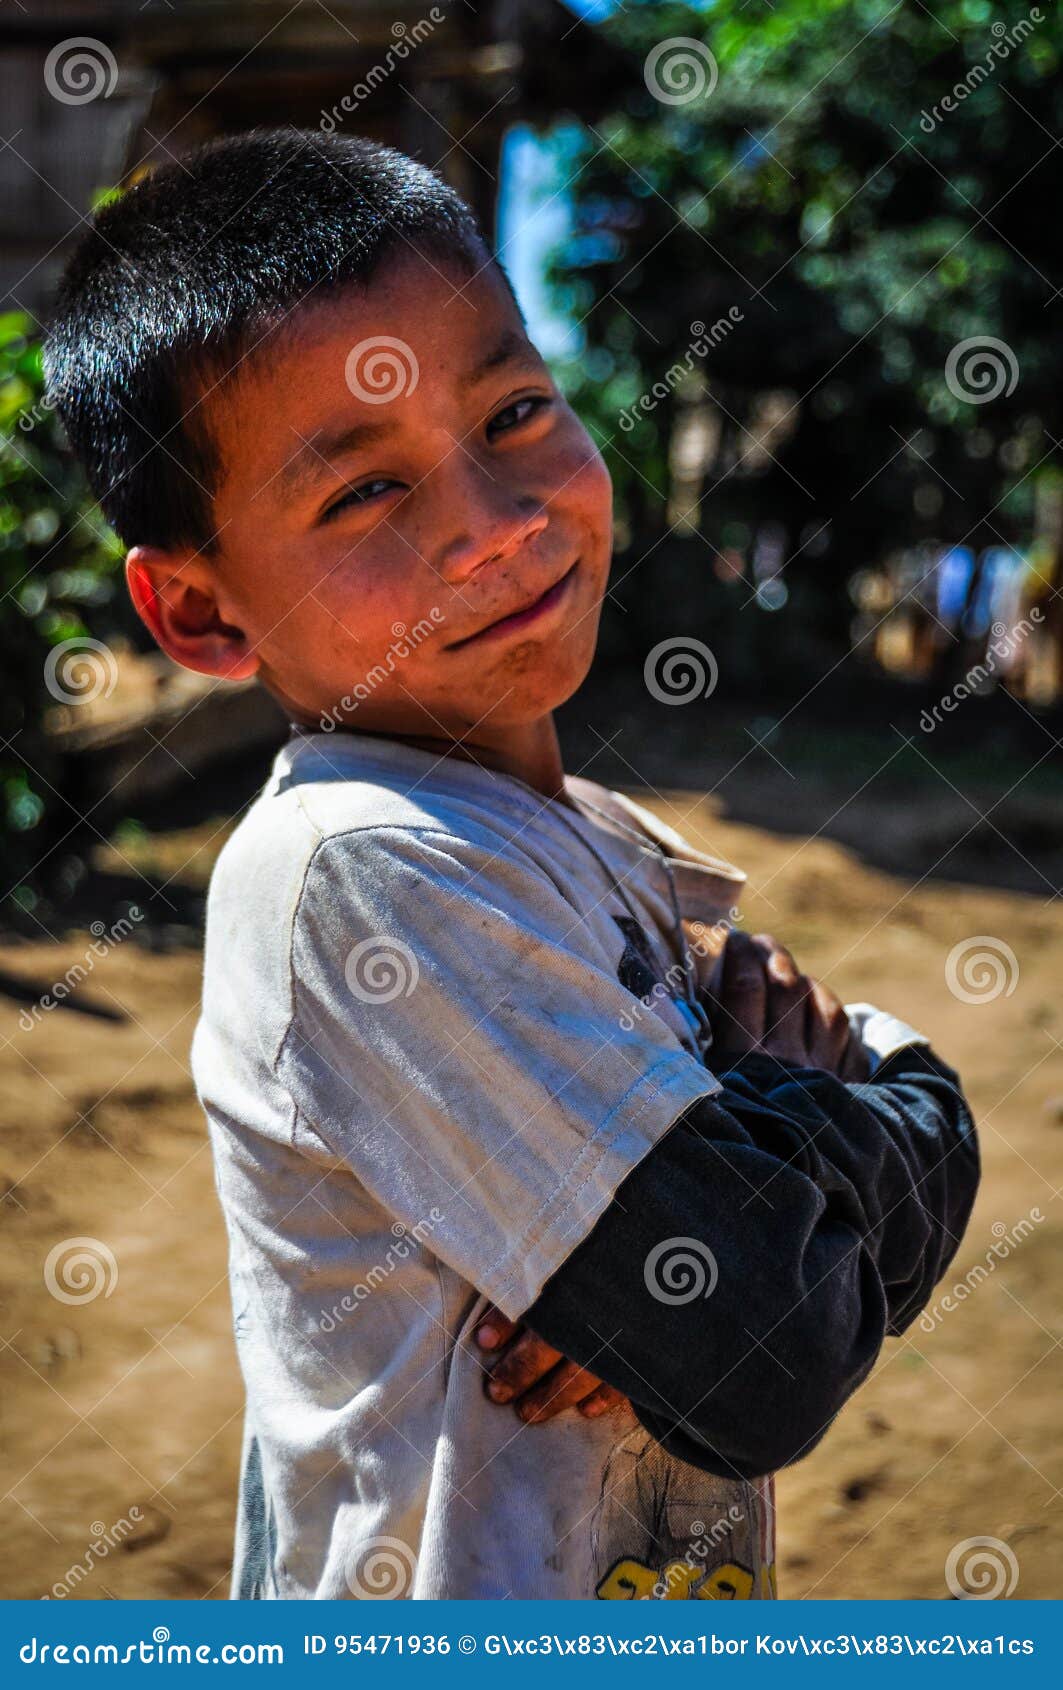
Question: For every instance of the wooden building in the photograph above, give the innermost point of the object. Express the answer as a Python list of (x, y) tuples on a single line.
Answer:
[(95, 91)]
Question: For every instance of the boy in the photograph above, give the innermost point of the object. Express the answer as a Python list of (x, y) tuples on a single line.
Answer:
[(467, 1093)]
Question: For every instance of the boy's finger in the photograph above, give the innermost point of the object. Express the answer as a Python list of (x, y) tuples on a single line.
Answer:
[(522, 1365), (788, 991), (494, 1329), (601, 1400), (566, 1386), (741, 1005), (777, 958), (827, 1028), (855, 1065)]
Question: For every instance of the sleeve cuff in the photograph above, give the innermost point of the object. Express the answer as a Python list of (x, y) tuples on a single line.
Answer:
[(880, 1033)]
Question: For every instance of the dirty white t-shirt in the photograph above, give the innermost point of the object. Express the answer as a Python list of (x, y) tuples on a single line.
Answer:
[(443, 1019)]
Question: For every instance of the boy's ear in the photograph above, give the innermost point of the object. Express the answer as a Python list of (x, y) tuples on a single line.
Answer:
[(175, 597)]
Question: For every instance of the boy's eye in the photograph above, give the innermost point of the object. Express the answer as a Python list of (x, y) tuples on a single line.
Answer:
[(360, 495), (518, 412)]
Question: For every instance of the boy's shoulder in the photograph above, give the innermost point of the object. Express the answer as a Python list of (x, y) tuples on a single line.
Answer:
[(354, 818), (367, 800), (355, 840)]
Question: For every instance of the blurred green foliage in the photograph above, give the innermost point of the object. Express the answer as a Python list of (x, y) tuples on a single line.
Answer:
[(58, 564), (823, 187)]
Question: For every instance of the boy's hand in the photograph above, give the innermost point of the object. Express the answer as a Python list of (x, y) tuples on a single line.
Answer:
[(764, 1003), (761, 1002), (537, 1380)]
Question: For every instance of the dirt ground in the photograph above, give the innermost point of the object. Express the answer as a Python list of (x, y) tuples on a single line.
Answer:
[(121, 1408)]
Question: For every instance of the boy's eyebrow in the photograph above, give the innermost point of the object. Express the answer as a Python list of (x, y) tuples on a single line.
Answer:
[(307, 466), (316, 454), (512, 348)]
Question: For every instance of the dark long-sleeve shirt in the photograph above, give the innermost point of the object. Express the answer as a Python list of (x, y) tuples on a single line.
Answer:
[(739, 1287)]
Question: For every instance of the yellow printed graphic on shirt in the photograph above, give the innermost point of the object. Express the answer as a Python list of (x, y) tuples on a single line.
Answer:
[(666, 1531), (630, 1581)]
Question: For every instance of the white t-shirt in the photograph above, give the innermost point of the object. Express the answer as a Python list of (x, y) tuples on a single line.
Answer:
[(427, 1066)]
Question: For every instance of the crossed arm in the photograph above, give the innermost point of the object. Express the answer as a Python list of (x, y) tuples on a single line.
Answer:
[(739, 1287)]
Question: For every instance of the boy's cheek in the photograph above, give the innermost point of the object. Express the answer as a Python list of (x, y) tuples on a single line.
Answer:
[(579, 471), (585, 505), (595, 486)]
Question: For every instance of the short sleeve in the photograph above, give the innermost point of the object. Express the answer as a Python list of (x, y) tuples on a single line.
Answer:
[(460, 1039)]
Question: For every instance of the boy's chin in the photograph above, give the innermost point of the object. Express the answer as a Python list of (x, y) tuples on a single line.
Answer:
[(533, 694)]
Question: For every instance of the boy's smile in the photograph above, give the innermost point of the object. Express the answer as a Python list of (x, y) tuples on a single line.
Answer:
[(517, 619), (396, 458)]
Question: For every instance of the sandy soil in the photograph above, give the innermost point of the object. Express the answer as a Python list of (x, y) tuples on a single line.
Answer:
[(121, 1413)]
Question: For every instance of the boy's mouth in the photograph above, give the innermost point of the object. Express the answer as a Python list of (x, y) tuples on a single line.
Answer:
[(521, 619)]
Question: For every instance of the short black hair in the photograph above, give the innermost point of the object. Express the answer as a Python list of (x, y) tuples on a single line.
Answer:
[(178, 277)]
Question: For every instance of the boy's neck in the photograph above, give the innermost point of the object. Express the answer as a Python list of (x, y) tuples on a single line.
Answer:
[(530, 753)]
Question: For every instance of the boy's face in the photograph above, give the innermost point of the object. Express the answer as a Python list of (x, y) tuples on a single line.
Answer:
[(415, 530)]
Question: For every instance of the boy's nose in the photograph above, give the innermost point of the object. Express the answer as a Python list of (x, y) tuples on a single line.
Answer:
[(492, 525), (469, 552)]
